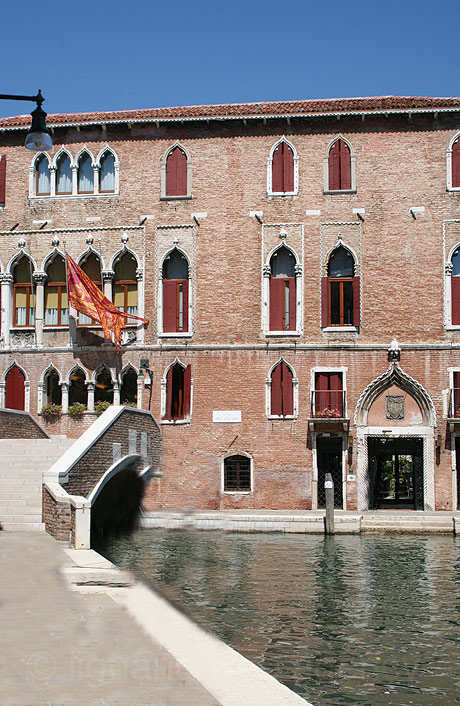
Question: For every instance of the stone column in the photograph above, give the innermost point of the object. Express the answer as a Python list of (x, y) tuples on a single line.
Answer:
[(107, 279), (140, 387), (65, 397), (39, 281), (6, 282), (90, 388), (116, 393), (266, 297), (74, 179), (96, 179), (140, 303)]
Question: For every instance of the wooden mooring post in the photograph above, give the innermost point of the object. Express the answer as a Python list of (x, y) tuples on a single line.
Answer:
[(329, 491)]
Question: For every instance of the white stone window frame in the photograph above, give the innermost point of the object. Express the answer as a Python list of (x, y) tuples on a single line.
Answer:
[(251, 474), (174, 422), (448, 269), (270, 191), (89, 387), (113, 378), (8, 280), (446, 393), (164, 159), (15, 364), (95, 162), (449, 163), (41, 290), (140, 383), (295, 393), (175, 334), (266, 275), (326, 188), (356, 273), (328, 369)]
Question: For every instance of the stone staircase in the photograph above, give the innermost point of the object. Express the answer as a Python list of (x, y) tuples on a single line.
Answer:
[(22, 463)]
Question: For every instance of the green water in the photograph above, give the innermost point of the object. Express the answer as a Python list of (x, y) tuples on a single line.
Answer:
[(342, 620)]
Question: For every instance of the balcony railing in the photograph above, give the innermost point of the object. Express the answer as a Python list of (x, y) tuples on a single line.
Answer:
[(454, 403), (328, 404)]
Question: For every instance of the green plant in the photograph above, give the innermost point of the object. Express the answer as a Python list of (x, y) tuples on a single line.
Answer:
[(102, 405), (76, 409), (127, 403), (51, 411)]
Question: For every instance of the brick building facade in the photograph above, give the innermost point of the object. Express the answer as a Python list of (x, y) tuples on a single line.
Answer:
[(278, 250)]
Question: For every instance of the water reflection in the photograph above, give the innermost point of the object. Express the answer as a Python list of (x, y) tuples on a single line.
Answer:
[(370, 620)]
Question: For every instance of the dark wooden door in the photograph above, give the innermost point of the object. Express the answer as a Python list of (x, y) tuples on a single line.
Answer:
[(14, 390)]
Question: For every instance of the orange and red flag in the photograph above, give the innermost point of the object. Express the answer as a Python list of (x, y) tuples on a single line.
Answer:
[(86, 297)]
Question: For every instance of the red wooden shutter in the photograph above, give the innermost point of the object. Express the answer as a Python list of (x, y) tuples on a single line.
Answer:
[(169, 391), (288, 168), (456, 399), (176, 173), (276, 406), (169, 305), (321, 397), (356, 303), (185, 303), (455, 294), (345, 166), (14, 389), (456, 163), (336, 394), (288, 397), (277, 169), (276, 303), (292, 304), (2, 179), (324, 302), (187, 391), (334, 167)]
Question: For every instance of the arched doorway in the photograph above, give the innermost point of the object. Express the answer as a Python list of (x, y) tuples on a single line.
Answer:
[(15, 396), (395, 422)]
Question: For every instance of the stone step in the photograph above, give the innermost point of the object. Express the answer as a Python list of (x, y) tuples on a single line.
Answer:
[(21, 502), (23, 526), (14, 481), (22, 512)]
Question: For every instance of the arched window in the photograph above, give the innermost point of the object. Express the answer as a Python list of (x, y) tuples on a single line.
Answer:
[(92, 267), (281, 394), (52, 387), (175, 293), (455, 285), (178, 392), (107, 173), (176, 173), (103, 390), (42, 176), (77, 389), (56, 304), (237, 474), (282, 169), (85, 178), (64, 175), (125, 285), (339, 166), (282, 291), (340, 291), (14, 389), (128, 389), (23, 293)]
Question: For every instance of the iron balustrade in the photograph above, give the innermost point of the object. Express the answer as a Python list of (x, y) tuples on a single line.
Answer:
[(328, 404), (454, 403)]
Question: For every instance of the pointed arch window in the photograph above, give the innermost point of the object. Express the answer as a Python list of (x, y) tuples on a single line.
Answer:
[(339, 166), (175, 293), (282, 291), (56, 303), (15, 395), (107, 173), (77, 389), (42, 176), (63, 175), (340, 297), (53, 392), (128, 389), (125, 293), (281, 391), (85, 176), (178, 392), (103, 388), (176, 174), (23, 294), (92, 267), (282, 169)]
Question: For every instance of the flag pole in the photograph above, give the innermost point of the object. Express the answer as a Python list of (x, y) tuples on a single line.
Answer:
[(68, 299)]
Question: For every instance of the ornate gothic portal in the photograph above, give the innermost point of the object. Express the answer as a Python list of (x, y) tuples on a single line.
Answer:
[(395, 421)]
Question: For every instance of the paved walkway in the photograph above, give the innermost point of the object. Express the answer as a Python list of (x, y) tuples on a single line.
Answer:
[(62, 648)]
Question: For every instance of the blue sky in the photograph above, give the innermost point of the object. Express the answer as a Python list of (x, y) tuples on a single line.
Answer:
[(103, 55)]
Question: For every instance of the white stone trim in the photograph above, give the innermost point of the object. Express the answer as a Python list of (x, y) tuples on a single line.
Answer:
[(295, 392), (299, 281), (449, 163), (164, 159), (185, 420), (314, 483), (251, 473), (175, 334), (326, 188), (270, 191)]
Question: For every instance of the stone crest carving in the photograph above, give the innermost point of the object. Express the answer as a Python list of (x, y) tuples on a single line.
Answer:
[(23, 339), (394, 406)]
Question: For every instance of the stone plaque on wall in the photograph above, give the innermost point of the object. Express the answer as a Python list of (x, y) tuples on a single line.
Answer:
[(394, 406)]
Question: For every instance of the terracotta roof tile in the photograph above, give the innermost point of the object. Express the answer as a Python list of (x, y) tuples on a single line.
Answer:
[(235, 110)]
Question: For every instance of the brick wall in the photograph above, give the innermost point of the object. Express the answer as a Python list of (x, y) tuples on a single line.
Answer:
[(57, 517), (19, 425)]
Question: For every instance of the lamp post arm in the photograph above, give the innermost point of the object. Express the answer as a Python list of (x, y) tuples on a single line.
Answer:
[(38, 98)]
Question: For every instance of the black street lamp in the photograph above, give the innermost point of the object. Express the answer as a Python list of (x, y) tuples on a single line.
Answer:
[(39, 136)]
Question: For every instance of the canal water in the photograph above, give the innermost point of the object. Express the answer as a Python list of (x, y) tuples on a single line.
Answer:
[(365, 620)]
